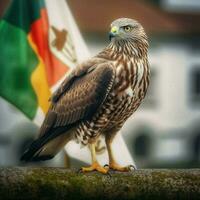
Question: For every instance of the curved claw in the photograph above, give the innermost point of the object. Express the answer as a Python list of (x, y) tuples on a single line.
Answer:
[(106, 165), (132, 167), (94, 167), (116, 167)]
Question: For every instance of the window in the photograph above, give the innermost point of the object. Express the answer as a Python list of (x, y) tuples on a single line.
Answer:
[(181, 5), (196, 147), (195, 85), (142, 145)]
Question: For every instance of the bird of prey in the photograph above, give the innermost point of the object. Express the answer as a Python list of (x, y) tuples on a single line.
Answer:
[(97, 97)]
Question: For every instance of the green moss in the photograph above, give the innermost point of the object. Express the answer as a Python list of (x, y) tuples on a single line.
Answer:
[(57, 183)]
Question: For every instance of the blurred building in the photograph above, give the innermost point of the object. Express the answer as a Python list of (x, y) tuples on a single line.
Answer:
[(165, 131)]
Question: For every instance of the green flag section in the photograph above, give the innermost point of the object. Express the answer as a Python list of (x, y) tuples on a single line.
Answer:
[(22, 13), (17, 61), (15, 85), (28, 68)]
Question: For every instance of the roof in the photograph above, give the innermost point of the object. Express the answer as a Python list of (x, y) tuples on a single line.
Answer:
[(96, 16), (3, 5)]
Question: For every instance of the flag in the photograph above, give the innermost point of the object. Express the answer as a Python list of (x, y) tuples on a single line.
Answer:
[(40, 42)]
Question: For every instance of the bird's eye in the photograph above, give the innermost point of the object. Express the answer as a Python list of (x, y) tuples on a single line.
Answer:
[(127, 28)]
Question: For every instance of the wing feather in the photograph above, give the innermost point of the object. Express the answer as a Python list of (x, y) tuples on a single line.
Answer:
[(78, 99), (81, 99)]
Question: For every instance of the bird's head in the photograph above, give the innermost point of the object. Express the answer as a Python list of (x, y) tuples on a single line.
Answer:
[(125, 29)]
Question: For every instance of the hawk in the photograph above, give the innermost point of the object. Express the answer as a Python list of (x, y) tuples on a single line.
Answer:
[(97, 97)]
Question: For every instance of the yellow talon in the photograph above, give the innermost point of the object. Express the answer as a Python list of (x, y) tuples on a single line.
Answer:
[(95, 167), (112, 163), (117, 167)]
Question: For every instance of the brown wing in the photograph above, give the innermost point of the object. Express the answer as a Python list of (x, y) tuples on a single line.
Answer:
[(79, 98)]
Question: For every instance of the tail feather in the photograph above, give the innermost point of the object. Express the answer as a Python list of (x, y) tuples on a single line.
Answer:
[(46, 146), (32, 153)]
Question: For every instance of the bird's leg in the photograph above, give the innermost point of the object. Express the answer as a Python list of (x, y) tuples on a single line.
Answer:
[(95, 165), (112, 163)]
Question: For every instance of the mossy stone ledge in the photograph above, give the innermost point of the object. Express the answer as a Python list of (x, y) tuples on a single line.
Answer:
[(59, 183)]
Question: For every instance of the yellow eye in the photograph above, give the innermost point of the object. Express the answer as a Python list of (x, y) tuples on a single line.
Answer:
[(127, 28)]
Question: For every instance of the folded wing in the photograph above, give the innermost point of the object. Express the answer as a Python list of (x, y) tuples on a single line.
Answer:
[(78, 99)]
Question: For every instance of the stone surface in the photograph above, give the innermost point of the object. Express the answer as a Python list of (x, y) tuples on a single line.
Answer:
[(59, 183)]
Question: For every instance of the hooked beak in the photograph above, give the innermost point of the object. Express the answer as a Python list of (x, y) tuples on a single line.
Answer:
[(113, 32)]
